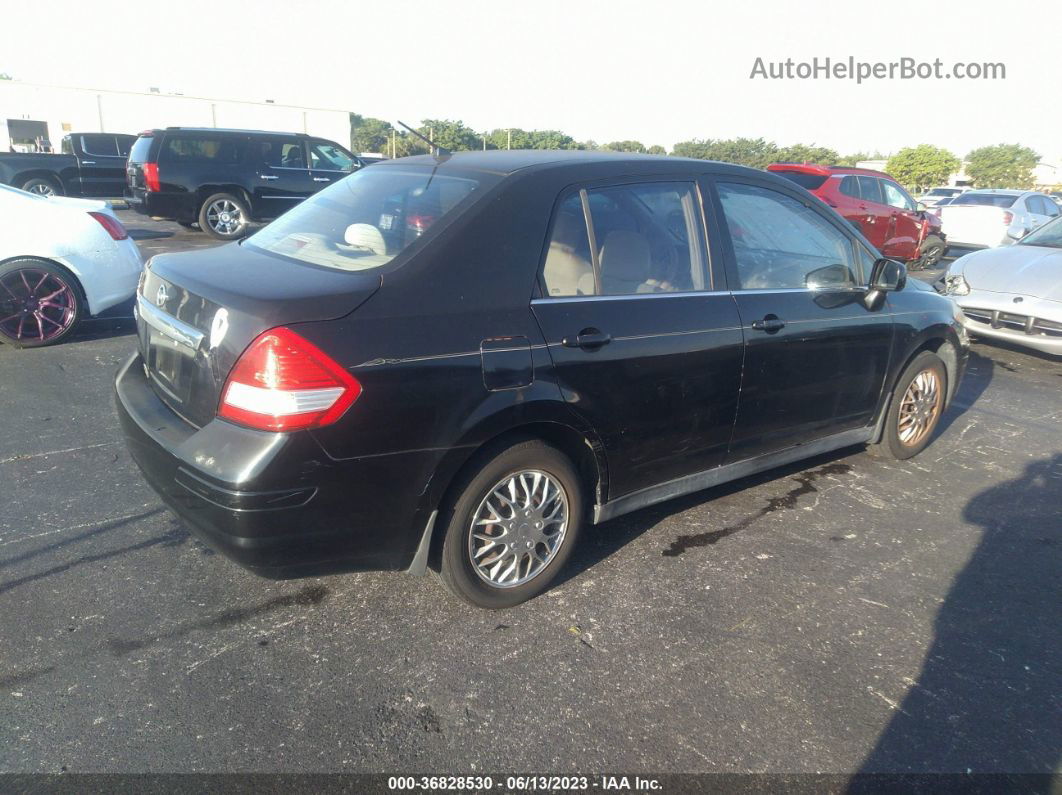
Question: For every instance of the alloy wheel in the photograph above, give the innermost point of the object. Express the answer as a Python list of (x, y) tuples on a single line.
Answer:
[(919, 408), (41, 189), (35, 305), (224, 217), (518, 528)]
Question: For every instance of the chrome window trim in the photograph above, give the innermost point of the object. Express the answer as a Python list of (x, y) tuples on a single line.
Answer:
[(625, 297)]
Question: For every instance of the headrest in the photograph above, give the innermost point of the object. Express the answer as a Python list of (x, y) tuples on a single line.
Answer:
[(365, 236), (625, 257)]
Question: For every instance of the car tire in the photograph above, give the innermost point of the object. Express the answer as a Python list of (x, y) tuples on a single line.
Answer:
[(534, 491), (42, 186), (915, 407), (27, 320), (224, 216), (932, 251)]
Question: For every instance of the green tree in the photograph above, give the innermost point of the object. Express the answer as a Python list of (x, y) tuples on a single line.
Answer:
[(1002, 166), (656, 149), (452, 135), (5, 76), (921, 167), (807, 153), (858, 157), (754, 152), (369, 135), (625, 146)]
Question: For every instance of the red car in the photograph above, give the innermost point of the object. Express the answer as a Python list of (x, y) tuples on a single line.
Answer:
[(885, 213)]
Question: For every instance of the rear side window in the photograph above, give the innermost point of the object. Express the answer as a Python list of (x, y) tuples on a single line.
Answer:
[(281, 153), (850, 187), (141, 148), (201, 149), (642, 238), (779, 243), (870, 190), (806, 181), (99, 145), (367, 219)]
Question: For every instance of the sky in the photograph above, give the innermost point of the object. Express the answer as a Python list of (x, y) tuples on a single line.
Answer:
[(657, 72)]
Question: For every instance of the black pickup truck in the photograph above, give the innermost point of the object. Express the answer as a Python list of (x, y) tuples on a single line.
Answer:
[(91, 164)]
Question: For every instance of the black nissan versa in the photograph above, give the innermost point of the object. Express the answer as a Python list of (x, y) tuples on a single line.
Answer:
[(455, 362)]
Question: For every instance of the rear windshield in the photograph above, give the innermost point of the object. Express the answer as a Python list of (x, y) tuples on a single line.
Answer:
[(365, 220), (987, 199), (807, 181), (139, 152), (943, 192)]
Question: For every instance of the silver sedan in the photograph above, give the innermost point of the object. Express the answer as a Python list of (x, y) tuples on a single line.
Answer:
[(1013, 292)]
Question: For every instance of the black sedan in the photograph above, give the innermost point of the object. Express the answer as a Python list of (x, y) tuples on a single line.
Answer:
[(457, 361)]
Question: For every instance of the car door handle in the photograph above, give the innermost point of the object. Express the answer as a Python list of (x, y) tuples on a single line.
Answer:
[(770, 324), (587, 339), (321, 179), (268, 176), (88, 162)]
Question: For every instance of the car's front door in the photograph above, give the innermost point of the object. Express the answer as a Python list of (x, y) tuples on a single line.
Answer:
[(645, 346), (281, 176), (329, 163), (815, 354), (905, 223)]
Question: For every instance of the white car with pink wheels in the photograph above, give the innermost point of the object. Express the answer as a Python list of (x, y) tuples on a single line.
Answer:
[(61, 260)]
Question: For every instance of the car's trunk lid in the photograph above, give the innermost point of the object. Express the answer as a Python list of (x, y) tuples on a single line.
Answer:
[(198, 311), (976, 224)]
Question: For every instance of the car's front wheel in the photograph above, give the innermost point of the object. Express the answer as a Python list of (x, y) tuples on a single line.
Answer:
[(916, 407), (224, 216), (512, 526), (42, 186)]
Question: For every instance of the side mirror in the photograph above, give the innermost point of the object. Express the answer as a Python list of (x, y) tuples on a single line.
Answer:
[(921, 207), (886, 276), (1017, 234)]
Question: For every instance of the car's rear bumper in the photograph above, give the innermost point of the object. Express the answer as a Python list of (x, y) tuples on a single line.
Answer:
[(274, 503), (174, 206)]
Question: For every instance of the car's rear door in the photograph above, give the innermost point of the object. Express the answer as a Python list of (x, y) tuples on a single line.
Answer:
[(645, 341), (101, 166), (815, 355), (281, 177)]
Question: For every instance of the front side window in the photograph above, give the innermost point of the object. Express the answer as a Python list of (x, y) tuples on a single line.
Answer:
[(895, 197), (329, 157), (780, 243), (642, 238), (365, 220)]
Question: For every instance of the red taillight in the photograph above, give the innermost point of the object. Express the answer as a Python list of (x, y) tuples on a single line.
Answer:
[(419, 223), (283, 382), (151, 176), (112, 225), (1008, 218)]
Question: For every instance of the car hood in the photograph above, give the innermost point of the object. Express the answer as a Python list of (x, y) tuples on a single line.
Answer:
[(1029, 270)]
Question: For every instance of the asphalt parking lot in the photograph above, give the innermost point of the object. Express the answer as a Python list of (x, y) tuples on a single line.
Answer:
[(850, 613)]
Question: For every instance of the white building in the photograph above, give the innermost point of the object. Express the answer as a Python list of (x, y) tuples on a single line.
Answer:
[(29, 112)]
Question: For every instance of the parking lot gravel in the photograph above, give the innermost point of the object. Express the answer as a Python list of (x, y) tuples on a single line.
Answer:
[(850, 613)]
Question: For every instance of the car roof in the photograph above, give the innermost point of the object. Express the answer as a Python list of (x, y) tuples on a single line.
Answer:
[(825, 171), (508, 161), (227, 130), (1001, 191)]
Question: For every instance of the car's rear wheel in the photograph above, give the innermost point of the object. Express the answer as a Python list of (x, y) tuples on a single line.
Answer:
[(40, 303), (512, 526), (224, 216), (42, 186), (916, 407)]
